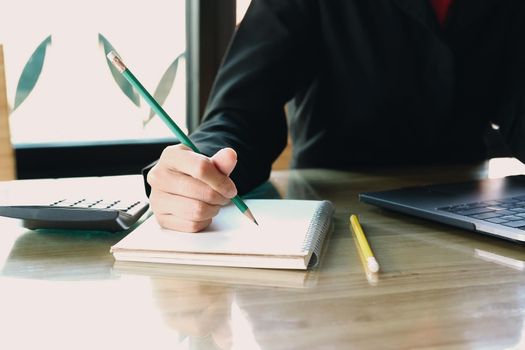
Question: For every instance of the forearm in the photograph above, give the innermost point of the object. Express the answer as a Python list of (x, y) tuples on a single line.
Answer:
[(271, 54)]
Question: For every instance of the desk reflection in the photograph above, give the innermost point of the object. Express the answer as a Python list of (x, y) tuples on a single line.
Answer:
[(59, 255), (200, 313), (206, 316), (439, 286)]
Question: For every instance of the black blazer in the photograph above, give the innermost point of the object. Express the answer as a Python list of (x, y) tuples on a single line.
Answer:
[(371, 82)]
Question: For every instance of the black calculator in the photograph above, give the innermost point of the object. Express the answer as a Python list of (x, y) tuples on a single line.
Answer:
[(79, 214)]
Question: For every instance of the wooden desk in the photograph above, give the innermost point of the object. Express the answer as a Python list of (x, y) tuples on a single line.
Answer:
[(440, 287)]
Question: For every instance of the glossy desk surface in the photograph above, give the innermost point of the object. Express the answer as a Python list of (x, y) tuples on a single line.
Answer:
[(439, 288)]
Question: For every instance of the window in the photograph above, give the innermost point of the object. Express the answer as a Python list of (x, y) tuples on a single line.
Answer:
[(59, 82), (63, 97), (69, 115), (242, 6)]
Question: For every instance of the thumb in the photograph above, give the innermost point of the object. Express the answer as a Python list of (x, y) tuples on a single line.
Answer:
[(225, 160)]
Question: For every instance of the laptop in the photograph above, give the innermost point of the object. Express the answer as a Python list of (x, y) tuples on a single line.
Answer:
[(490, 206)]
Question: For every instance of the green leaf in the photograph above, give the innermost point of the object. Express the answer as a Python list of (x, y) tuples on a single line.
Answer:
[(165, 84), (31, 72), (124, 85)]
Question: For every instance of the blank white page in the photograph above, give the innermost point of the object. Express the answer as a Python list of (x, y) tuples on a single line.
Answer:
[(282, 230)]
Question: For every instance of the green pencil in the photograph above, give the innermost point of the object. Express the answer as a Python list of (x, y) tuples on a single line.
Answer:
[(185, 140)]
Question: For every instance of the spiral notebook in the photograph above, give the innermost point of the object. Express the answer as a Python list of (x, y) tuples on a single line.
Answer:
[(290, 235)]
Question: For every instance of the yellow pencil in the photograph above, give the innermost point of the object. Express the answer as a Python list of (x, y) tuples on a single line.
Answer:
[(371, 261)]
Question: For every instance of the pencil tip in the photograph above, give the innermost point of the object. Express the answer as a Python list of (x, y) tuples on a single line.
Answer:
[(250, 216)]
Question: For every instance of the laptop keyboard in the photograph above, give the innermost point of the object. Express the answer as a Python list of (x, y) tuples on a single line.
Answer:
[(508, 211)]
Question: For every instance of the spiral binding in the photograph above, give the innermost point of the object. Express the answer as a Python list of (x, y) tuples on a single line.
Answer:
[(317, 230)]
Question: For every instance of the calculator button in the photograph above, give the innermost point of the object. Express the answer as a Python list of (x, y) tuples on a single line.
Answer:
[(136, 208), (66, 203), (79, 203), (101, 205), (120, 207)]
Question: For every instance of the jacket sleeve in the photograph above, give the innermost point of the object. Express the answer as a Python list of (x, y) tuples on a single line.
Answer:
[(511, 118), (270, 55)]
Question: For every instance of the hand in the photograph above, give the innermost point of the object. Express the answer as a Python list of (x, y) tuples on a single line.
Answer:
[(188, 189), (199, 310)]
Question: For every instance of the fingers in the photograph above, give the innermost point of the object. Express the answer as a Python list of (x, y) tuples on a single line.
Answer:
[(165, 180), (225, 160), (188, 189), (184, 208), (180, 213), (198, 166), (174, 223)]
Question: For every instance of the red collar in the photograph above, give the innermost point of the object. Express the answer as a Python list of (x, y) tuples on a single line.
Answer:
[(441, 7)]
